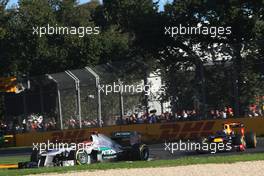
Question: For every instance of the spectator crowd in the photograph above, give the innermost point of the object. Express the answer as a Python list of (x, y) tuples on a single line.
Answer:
[(32, 122), (73, 123), (227, 112), (38, 123)]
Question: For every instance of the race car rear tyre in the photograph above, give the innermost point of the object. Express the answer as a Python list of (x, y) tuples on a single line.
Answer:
[(144, 152), (140, 152), (35, 156), (251, 140)]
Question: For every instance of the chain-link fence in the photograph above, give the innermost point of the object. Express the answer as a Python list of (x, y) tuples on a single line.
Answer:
[(103, 96), (74, 99)]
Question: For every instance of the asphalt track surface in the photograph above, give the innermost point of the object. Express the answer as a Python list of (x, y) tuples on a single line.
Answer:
[(157, 151)]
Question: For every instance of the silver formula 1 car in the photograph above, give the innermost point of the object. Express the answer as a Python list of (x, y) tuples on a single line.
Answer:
[(99, 148)]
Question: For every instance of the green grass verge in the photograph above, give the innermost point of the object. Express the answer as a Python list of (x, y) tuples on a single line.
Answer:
[(13, 159), (14, 148), (138, 164)]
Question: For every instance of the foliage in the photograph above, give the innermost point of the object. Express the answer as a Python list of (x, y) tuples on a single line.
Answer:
[(132, 33)]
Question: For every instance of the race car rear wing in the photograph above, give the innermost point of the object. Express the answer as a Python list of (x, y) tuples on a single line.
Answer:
[(126, 137)]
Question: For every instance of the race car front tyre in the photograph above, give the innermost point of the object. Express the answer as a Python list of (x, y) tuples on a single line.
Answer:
[(202, 141), (82, 157), (57, 160), (239, 141), (251, 140)]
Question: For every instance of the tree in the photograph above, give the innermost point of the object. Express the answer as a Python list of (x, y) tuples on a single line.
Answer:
[(33, 55), (246, 21)]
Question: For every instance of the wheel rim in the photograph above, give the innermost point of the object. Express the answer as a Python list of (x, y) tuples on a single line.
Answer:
[(82, 157), (243, 142), (145, 154), (242, 147), (255, 141)]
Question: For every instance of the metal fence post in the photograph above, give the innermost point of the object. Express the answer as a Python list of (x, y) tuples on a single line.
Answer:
[(121, 99), (97, 84), (60, 111), (59, 100), (77, 86)]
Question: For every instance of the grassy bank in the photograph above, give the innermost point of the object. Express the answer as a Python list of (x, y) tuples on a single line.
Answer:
[(138, 164)]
